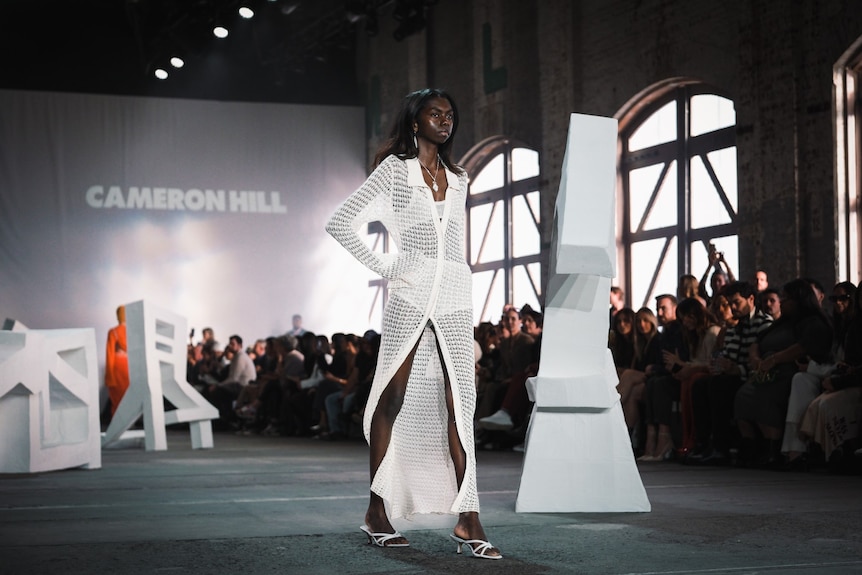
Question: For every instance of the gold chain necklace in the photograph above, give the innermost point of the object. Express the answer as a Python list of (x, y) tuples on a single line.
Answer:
[(434, 185)]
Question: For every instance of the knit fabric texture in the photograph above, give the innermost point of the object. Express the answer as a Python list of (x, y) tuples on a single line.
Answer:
[(430, 302)]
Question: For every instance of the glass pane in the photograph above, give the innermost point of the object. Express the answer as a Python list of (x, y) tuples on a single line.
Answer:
[(522, 287), (641, 184), (525, 164), (488, 285), (486, 224), (657, 129), (710, 112), (525, 234), (645, 261), (490, 178), (707, 208), (728, 245), (723, 163)]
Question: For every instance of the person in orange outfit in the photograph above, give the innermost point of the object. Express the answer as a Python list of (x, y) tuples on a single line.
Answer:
[(117, 361)]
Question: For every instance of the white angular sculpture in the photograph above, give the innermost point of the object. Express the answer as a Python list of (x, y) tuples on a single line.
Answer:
[(49, 400), (157, 370), (578, 453), (13, 325)]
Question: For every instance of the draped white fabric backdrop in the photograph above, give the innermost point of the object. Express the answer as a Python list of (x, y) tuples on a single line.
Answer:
[(212, 210)]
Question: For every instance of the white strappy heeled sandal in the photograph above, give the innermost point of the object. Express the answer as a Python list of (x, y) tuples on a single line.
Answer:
[(383, 539), (478, 548)]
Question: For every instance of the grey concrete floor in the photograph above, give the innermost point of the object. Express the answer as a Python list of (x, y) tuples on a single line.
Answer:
[(293, 506)]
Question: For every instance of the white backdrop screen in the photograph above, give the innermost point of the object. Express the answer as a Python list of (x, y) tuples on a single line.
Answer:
[(212, 210)]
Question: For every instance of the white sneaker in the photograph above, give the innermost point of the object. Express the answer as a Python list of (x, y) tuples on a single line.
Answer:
[(499, 420)]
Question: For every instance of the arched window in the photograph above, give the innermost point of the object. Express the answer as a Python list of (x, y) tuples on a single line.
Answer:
[(679, 189), (847, 77), (503, 233)]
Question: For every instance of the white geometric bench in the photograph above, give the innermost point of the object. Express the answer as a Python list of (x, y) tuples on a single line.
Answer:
[(157, 370), (49, 399)]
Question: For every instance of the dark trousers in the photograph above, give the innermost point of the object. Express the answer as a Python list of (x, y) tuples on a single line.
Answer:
[(712, 400), (661, 393)]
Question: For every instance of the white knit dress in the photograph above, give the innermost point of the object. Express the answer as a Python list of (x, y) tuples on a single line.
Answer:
[(430, 283)]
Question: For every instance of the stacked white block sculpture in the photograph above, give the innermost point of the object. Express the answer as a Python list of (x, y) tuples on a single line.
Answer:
[(157, 370), (49, 399), (578, 453)]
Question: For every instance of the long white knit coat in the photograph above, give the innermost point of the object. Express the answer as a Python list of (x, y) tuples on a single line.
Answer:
[(430, 283)]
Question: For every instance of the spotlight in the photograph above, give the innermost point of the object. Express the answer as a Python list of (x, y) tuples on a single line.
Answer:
[(177, 62), (246, 12), (220, 32), (161, 74)]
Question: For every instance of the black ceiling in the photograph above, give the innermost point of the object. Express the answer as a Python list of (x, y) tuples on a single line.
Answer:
[(291, 51)]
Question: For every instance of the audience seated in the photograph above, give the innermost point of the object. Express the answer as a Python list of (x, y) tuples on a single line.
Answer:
[(661, 387), (621, 339), (831, 421), (760, 406), (632, 381), (222, 394), (516, 354), (340, 406), (807, 384), (713, 396), (700, 333), (754, 370), (516, 405)]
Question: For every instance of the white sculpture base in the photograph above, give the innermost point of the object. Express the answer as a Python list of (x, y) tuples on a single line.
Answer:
[(49, 400), (157, 370), (579, 461)]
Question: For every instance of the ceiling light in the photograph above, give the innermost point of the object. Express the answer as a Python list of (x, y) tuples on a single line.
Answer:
[(246, 12), (177, 62), (220, 32), (161, 74)]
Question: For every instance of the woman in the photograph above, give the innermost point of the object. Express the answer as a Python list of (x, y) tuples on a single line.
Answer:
[(420, 463), (813, 378), (622, 339), (832, 419), (700, 332), (803, 331), (646, 353)]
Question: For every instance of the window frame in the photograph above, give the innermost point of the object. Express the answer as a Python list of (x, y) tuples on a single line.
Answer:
[(474, 161), (683, 149)]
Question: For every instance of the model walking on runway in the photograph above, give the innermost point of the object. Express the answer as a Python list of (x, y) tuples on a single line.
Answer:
[(419, 416)]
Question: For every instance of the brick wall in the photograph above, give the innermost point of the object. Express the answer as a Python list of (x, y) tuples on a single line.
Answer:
[(518, 68)]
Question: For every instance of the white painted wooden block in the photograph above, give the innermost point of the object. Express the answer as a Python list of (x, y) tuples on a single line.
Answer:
[(157, 370), (578, 455), (49, 400)]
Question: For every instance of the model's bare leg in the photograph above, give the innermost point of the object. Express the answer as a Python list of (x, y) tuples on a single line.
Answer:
[(381, 432), (468, 526)]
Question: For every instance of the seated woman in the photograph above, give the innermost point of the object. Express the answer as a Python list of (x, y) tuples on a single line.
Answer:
[(646, 353), (832, 418), (700, 332), (761, 402), (806, 384), (621, 339)]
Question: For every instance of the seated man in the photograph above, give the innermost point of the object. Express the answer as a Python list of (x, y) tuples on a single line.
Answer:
[(240, 372)]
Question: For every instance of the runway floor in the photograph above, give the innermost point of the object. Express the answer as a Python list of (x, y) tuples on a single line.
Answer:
[(293, 506)]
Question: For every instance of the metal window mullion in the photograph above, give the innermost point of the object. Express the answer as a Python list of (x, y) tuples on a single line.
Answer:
[(507, 232), (683, 181)]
